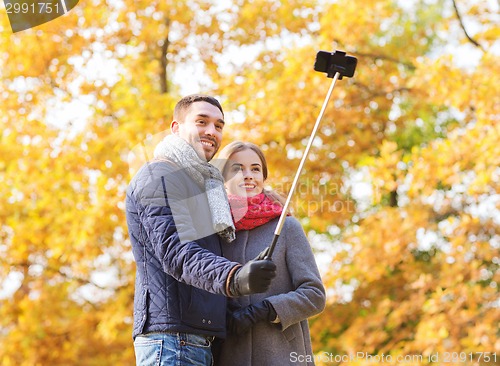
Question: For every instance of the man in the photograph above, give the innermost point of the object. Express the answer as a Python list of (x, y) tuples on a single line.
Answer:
[(177, 214)]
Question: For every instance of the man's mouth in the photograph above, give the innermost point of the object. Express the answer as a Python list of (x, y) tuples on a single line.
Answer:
[(207, 143)]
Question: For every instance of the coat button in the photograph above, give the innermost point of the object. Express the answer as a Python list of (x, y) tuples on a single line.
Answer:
[(209, 322), (203, 321)]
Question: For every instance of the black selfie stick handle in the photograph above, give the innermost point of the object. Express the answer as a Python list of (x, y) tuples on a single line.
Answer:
[(271, 247)]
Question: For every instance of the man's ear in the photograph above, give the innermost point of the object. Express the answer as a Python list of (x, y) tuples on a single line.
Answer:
[(174, 127)]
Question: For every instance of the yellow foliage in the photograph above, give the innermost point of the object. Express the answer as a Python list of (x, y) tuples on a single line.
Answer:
[(414, 248)]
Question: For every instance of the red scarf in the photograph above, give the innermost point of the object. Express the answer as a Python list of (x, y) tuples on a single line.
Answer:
[(251, 212)]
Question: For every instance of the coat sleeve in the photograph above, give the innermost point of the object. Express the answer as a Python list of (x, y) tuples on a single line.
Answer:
[(185, 260), (308, 296)]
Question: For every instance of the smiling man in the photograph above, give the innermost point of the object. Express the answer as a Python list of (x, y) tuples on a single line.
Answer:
[(178, 217), (200, 124)]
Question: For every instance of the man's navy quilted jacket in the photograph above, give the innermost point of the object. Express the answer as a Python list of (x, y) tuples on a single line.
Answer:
[(180, 278)]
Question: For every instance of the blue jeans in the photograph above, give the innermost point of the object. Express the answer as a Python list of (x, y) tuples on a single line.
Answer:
[(173, 349)]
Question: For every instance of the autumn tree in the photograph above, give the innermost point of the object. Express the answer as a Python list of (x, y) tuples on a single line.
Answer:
[(400, 190), (77, 95), (402, 185), (417, 270)]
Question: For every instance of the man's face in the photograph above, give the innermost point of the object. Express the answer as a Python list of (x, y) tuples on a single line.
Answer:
[(202, 128)]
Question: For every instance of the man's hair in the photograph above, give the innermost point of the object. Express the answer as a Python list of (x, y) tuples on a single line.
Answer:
[(183, 105)]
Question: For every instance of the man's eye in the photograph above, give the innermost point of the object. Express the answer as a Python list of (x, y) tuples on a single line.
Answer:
[(200, 122)]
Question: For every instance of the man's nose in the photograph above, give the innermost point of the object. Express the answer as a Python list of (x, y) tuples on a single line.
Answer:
[(210, 129)]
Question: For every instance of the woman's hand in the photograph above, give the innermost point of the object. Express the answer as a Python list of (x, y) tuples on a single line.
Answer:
[(240, 321)]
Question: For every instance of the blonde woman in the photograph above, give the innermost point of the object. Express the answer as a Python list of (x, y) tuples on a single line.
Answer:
[(270, 328)]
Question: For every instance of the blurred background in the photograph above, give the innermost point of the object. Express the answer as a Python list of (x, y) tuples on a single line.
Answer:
[(399, 197)]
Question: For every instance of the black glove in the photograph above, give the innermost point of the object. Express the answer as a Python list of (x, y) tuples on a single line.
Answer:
[(240, 321), (254, 277)]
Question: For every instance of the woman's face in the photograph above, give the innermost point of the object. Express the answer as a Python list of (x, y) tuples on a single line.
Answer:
[(243, 174)]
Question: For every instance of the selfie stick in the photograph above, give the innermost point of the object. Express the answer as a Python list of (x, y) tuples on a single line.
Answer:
[(336, 65)]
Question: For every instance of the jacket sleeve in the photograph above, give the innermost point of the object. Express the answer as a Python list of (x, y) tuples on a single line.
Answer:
[(185, 260), (308, 297)]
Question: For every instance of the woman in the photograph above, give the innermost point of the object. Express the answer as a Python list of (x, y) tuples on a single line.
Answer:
[(269, 328)]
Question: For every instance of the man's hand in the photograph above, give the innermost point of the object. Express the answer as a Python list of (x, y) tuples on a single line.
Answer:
[(254, 277)]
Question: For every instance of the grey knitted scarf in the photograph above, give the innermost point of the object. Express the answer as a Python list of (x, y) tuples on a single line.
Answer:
[(206, 177)]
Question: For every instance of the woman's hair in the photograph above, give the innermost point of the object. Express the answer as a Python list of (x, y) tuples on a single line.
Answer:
[(237, 146)]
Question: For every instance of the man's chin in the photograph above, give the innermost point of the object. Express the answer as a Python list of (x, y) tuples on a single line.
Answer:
[(204, 155), (209, 154)]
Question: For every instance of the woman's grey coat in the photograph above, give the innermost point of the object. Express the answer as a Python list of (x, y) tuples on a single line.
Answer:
[(296, 294)]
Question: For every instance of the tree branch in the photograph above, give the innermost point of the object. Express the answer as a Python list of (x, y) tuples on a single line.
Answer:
[(473, 41), (408, 65), (382, 57), (164, 61)]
